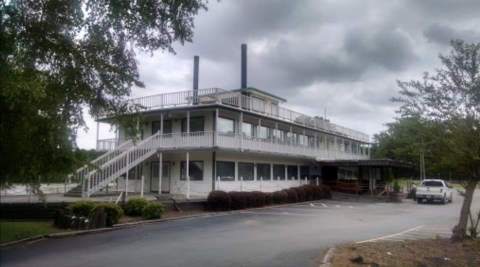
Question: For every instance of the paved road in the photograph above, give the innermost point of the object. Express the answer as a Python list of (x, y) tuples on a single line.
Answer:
[(284, 236)]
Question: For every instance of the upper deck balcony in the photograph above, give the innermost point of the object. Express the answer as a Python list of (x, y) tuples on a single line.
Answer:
[(236, 100)]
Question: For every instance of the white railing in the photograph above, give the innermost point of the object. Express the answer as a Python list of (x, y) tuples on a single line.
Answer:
[(119, 165), (115, 163), (107, 144), (236, 99), (81, 174)]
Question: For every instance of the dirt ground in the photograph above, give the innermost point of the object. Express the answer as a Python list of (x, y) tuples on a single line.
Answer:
[(430, 252)]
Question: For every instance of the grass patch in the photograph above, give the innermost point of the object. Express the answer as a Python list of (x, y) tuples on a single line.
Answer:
[(17, 230)]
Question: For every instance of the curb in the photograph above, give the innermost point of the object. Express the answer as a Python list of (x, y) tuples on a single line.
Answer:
[(328, 257), (138, 223)]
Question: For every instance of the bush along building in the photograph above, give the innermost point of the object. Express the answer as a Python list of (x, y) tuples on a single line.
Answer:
[(201, 140)]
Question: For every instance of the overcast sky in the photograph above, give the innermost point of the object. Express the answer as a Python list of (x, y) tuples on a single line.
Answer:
[(342, 56)]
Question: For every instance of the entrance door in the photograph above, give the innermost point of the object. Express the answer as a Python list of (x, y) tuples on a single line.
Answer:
[(165, 177)]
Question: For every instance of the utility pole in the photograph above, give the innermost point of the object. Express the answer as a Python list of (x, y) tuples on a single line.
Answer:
[(422, 159)]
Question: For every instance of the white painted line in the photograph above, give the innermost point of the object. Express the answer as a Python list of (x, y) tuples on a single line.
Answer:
[(325, 205), (397, 234), (338, 206)]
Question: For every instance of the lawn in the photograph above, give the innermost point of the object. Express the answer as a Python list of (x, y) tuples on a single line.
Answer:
[(17, 230)]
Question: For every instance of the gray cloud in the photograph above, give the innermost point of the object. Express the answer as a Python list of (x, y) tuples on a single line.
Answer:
[(442, 34), (341, 55)]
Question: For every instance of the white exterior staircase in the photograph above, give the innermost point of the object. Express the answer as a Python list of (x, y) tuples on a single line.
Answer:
[(111, 165)]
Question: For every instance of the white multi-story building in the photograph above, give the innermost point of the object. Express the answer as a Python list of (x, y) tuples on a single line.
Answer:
[(196, 141)]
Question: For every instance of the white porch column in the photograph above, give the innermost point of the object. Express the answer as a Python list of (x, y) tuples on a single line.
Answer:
[(335, 146), (240, 131), (126, 175), (142, 186), (98, 133), (187, 172), (161, 124), (216, 128), (160, 174)]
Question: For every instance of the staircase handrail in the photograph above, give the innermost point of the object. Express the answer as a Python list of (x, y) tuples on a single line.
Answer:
[(101, 181)]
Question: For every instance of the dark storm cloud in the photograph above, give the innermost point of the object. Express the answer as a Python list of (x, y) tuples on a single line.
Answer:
[(442, 34)]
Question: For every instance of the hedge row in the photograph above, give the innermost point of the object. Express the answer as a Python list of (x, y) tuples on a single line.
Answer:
[(224, 201)]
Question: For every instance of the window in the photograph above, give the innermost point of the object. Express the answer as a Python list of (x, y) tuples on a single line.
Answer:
[(245, 171), (195, 170), (226, 170), (279, 135), (304, 172), (226, 125), (278, 172), (292, 172), (248, 129), (167, 127), (263, 172), (196, 124), (264, 132)]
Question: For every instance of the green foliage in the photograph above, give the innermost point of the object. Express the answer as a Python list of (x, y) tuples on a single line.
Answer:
[(218, 200), (450, 98), (113, 212), (17, 230), (82, 208), (153, 210), (134, 206), (57, 57)]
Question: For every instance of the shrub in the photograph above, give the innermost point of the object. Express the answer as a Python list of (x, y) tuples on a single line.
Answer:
[(292, 196), (113, 213), (219, 201), (327, 192), (317, 192), (239, 200), (280, 197), (134, 206), (82, 208), (308, 192), (268, 199), (259, 198), (251, 203), (300, 193), (153, 210)]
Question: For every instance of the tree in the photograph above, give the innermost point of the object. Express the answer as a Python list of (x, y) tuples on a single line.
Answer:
[(57, 57), (451, 98), (407, 139)]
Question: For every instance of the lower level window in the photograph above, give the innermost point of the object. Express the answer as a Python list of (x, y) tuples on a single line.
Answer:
[(292, 172), (263, 172), (195, 169), (226, 170), (278, 172), (245, 171)]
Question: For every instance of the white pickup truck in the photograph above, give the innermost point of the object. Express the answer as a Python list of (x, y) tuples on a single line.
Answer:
[(434, 189)]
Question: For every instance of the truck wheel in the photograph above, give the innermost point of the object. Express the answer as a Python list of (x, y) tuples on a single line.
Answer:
[(444, 200), (419, 200)]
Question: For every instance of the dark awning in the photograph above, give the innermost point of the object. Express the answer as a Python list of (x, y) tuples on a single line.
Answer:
[(366, 163)]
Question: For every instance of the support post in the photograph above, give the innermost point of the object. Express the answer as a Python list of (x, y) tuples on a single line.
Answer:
[(160, 174), (141, 186), (241, 183), (218, 183), (126, 175), (187, 172)]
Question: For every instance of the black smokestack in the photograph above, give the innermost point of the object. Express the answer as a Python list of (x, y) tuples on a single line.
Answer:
[(244, 66), (196, 61)]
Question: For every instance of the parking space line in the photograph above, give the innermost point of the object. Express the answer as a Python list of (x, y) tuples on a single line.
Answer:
[(393, 235)]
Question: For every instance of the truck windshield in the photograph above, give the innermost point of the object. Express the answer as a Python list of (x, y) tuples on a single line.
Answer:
[(432, 183)]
